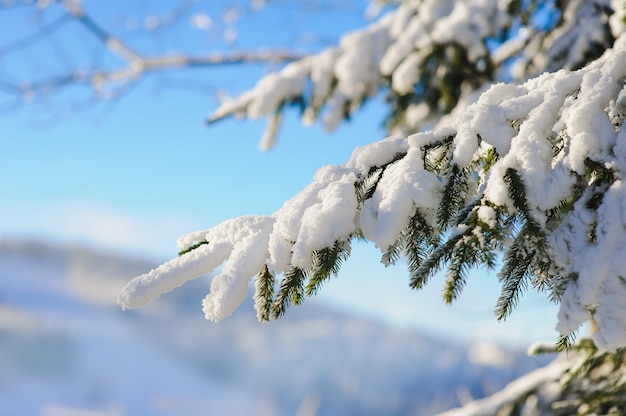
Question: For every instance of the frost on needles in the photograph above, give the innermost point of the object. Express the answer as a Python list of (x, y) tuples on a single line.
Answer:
[(529, 173)]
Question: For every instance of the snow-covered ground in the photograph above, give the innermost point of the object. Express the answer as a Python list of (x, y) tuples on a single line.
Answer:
[(64, 354), (67, 349)]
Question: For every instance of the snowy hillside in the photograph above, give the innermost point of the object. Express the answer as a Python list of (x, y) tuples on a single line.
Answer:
[(67, 349)]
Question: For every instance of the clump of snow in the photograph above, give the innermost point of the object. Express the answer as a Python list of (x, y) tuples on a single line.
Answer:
[(274, 89), (172, 274), (232, 240), (362, 50), (322, 75), (618, 18), (335, 111), (468, 23), (487, 215), (329, 218), (314, 219), (376, 154), (403, 186)]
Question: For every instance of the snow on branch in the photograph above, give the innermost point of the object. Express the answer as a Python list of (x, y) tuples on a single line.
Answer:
[(515, 391), (428, 54), (585, 380), (531, 171)]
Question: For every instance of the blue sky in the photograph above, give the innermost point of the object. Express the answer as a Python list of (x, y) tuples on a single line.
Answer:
[(134, 175)]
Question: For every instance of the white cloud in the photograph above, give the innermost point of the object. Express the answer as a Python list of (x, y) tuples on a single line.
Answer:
[(96, 225)]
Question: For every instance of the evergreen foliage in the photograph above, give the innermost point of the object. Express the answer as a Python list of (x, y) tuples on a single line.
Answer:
[(591, 383), (523, 177), (326, 262), (507, 152), (291, 291), (192, 247), (264, 294)]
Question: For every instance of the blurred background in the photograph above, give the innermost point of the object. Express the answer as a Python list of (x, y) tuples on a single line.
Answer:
[(96, 184)]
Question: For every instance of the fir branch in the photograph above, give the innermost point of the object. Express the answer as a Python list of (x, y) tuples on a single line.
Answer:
[(490, 158), (420, 241), (452, 196), (444, 148), (394, 251), (515, 273), (467, 214), (514, 284), (597, 172), (558, 285), (477, 247), (517, 193), (594, 201), (264, 294), (556, 215), (326, 262), (465, 255), (455, 281), (433, 263), (366, 187), (291, 291), (192, 247)]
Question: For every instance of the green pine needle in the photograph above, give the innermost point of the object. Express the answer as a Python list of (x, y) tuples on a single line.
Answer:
[(433, 263), (366, 187), (566, 342), (420, 241), (516, 272), (435, 155), (490, 159), (326, 262), (517, 193), (464, 256), (291, 291), (455, 282), (264, 294), (391, 256), (451, 197), (192, 247)]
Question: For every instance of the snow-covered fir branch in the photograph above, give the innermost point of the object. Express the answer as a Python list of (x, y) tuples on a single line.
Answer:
[(531, 171), (429, 56), (583, 381)]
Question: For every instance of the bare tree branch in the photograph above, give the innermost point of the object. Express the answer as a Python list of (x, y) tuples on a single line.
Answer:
[(35, 37), (109, 82)]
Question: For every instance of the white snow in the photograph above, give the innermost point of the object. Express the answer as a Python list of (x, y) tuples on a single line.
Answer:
[(237, 240), (512, 392), (545, 128), (329, 218), (65, 355), (404, 185), (376, 154), (173, 274)]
